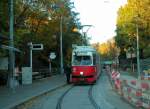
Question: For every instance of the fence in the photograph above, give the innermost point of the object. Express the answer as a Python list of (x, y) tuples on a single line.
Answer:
[(44, 72)]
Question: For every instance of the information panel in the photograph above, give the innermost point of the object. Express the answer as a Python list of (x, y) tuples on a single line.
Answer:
[(26, 75)]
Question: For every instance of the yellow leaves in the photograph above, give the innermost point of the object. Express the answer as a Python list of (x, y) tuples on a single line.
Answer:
[(103, 48), (108, 49), (35, 21), (135, 12)]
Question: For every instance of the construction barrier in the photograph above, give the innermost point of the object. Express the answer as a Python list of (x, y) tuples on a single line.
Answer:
[(135, 92)]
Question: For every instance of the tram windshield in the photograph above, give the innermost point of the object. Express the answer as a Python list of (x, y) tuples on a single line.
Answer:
[(82, 60)]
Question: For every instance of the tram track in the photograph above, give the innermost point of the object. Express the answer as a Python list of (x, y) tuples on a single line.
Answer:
[(90, 96), (76, 97), (44, 97), (29, 102), (58, 106)]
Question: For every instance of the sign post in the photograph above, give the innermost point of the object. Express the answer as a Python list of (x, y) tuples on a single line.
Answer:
[(52, 55), (34, 47)]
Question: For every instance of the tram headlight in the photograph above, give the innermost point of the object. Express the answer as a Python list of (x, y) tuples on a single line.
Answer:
[(81, 73)]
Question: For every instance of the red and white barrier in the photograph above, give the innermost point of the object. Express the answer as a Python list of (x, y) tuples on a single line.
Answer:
[(115, 75), (137, 94), (134, 91)]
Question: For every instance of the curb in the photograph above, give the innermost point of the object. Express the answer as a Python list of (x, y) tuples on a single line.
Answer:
[(30, 92), (15, 105)]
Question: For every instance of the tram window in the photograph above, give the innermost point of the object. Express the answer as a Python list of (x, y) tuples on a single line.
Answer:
[(94, 59), (86, 60), (76, 60), (82, 60)]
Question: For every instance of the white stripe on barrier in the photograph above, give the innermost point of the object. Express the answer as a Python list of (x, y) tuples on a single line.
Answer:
[(115, 75), (146, 100)]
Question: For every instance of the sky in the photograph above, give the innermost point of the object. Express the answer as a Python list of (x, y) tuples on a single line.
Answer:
[(102, 14)]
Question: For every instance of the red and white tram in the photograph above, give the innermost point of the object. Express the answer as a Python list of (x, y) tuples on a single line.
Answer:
[(85, 65)]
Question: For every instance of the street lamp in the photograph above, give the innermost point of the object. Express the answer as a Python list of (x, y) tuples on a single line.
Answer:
[(55, 7), (137, 45), (137, 49), (11, 51), (61, 52), (61, 44)]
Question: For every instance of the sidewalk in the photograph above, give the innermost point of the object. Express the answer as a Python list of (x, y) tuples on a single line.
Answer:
[(22, 93)]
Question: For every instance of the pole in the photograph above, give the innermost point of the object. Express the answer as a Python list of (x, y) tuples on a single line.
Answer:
[(50, 66), (84, 38), (138, 57), (30, 54), (30, 47), (11, 51), (61, 53)]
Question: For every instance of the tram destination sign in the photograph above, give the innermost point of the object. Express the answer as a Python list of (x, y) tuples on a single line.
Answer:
[(82, 53)]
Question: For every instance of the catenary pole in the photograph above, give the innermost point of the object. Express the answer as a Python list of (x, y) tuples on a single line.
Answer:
[(61, 52), (138, 57), (11, 44)]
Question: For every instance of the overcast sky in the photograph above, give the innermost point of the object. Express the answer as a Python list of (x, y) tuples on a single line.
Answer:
[(101, 14)]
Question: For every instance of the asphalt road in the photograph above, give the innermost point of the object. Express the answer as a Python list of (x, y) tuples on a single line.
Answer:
[(77, 97), (106, 96)]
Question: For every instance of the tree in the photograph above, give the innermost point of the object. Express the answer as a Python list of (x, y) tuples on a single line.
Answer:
[(107, 50), (135, 12), (38, 21)]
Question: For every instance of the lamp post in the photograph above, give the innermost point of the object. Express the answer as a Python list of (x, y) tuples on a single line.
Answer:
[(55, 7), (11, 44), (61, 52), (61, 45), (137, 50)]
